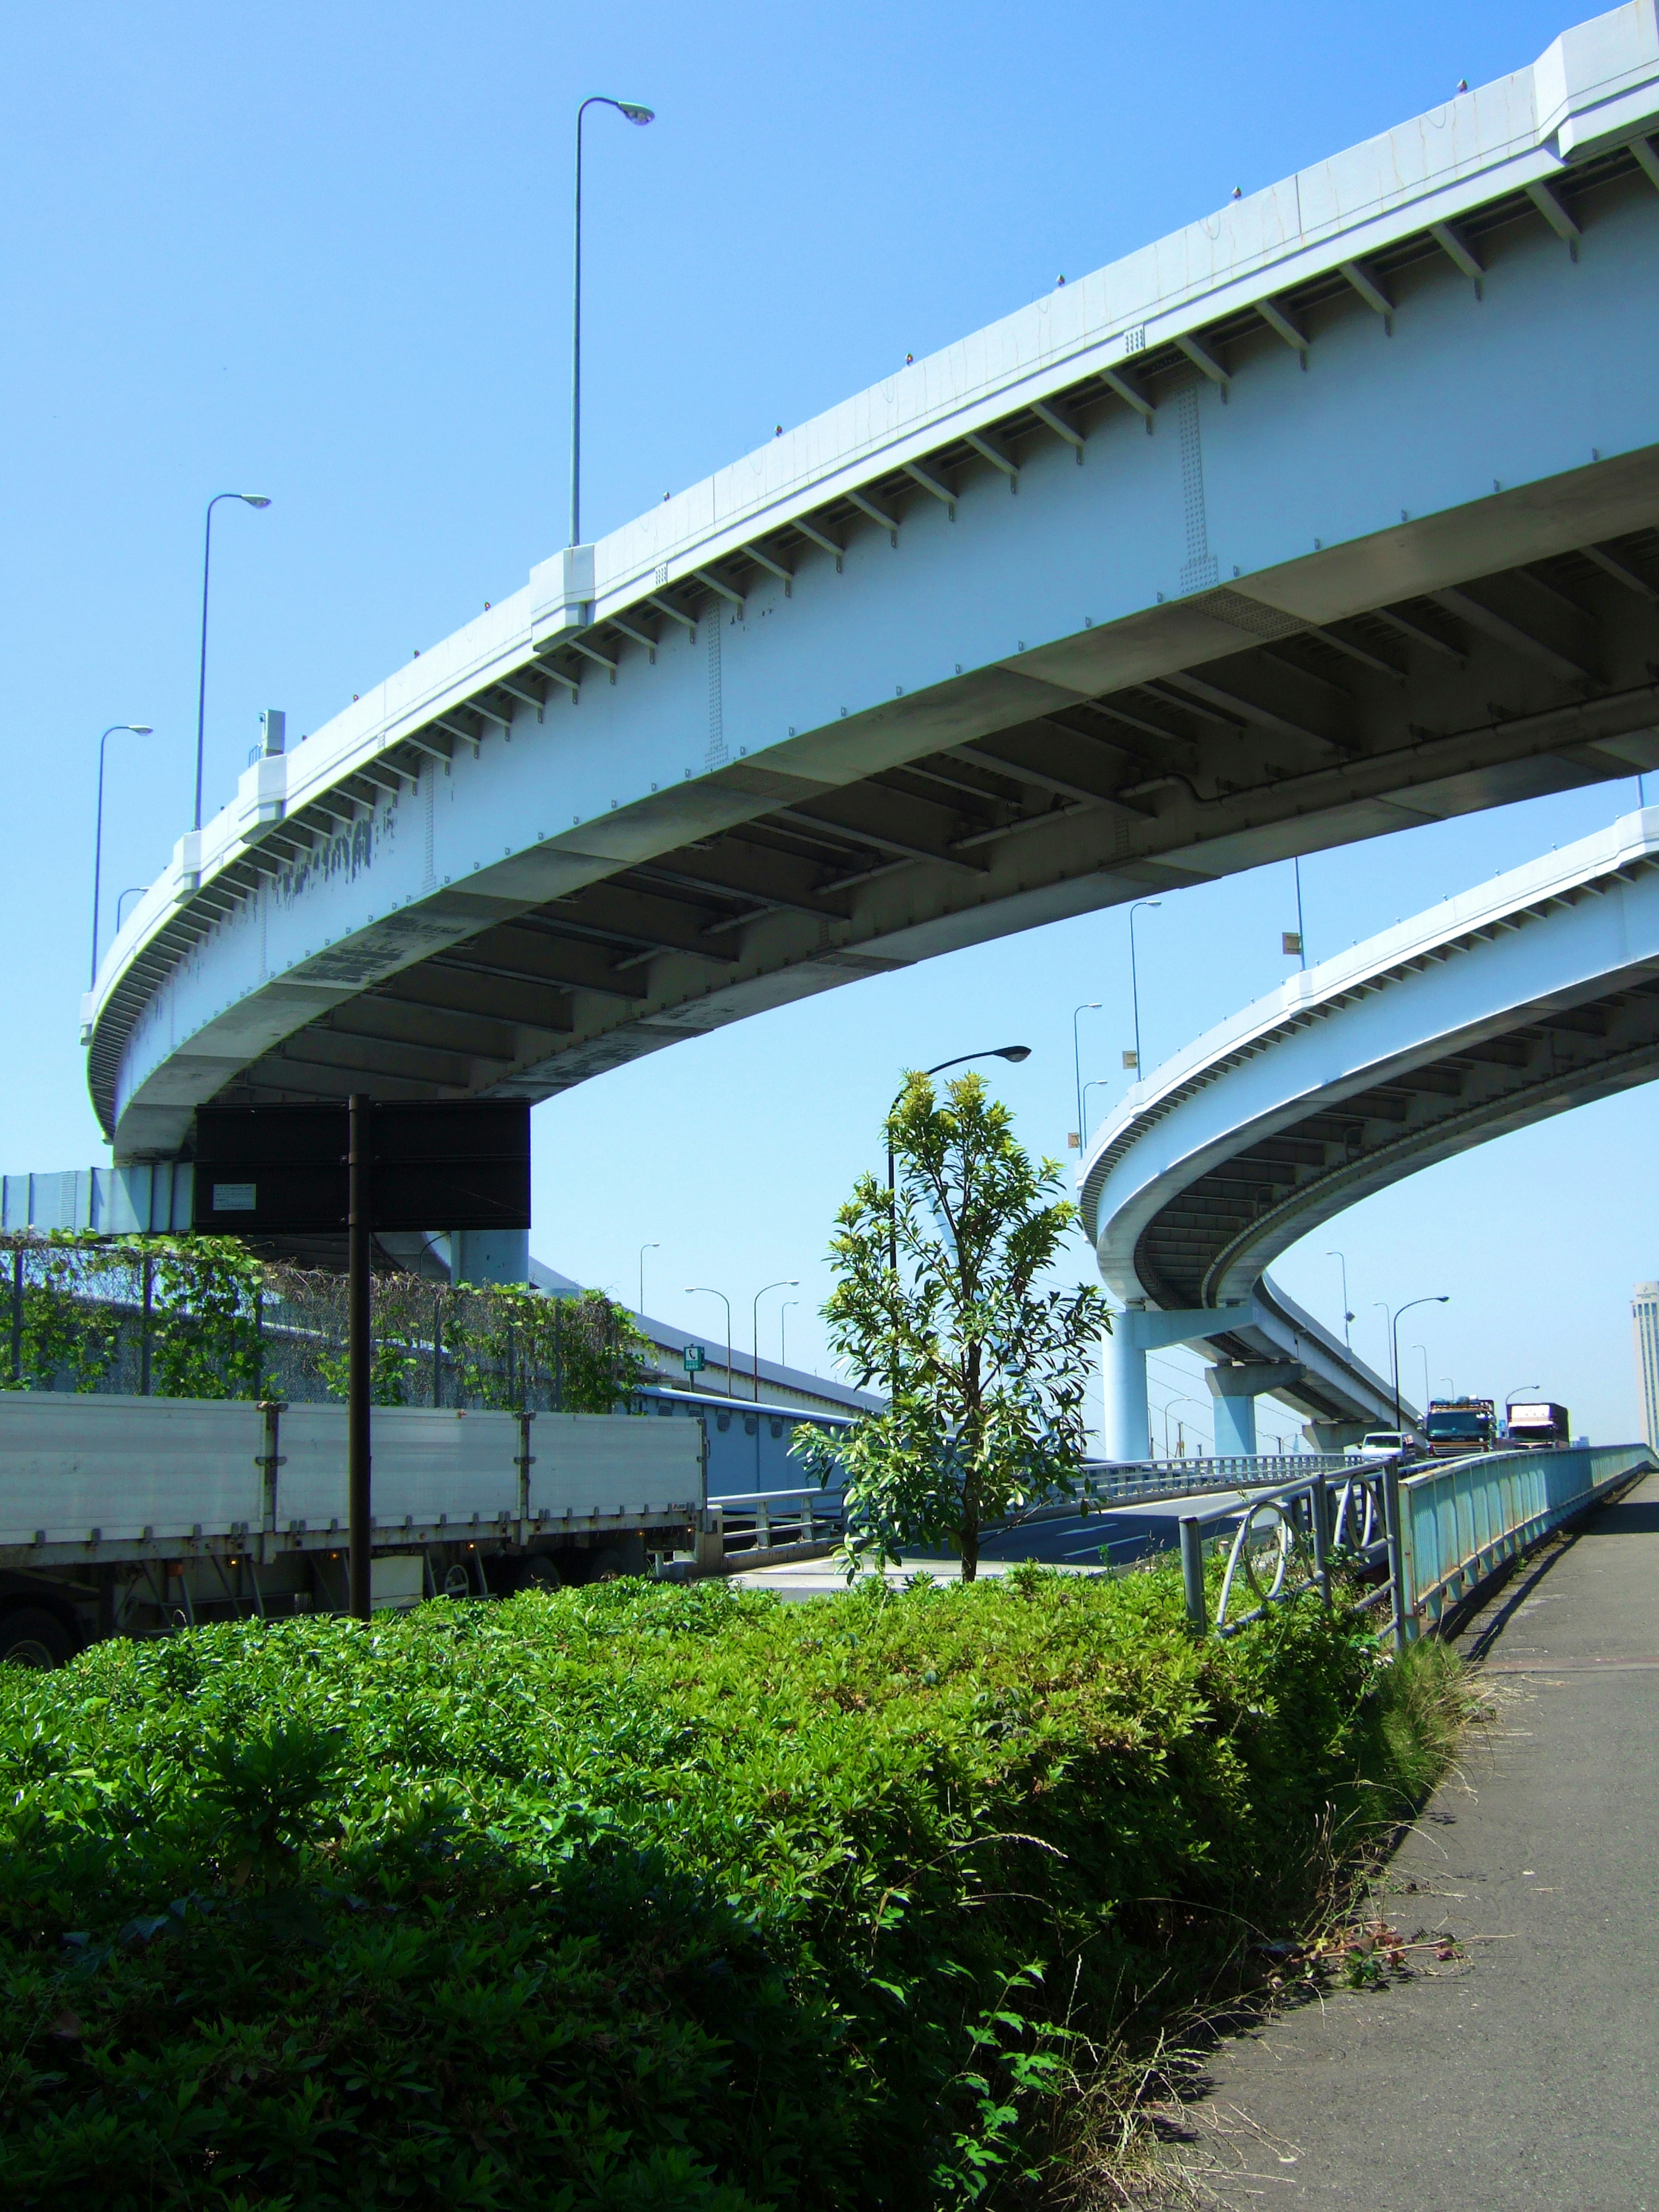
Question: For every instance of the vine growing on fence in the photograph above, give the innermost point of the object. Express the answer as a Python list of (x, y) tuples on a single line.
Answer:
[(201, 1317)]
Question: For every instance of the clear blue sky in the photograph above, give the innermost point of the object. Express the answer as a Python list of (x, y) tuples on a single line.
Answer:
[(322, 252)]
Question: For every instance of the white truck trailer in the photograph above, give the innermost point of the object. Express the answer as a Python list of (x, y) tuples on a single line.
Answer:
[(127, 1515)]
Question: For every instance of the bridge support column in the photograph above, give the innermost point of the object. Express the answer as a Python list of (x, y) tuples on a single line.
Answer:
[(489, 1256), (1123, 1364), (1135, 1332), (1235, 1390)]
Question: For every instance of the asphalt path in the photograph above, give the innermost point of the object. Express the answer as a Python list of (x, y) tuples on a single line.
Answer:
[(1525, 2074), (1079, 1543)]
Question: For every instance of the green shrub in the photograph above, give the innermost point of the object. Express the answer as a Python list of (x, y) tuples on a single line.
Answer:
[(635, 1898)]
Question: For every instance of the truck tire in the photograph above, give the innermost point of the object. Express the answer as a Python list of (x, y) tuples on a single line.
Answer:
[(30, 1635)]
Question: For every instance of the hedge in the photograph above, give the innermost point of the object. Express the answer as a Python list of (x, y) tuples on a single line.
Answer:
[(641, 1899)]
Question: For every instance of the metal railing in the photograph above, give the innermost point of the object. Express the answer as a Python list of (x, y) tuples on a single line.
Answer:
[(764, 1520), (1423, 1538)]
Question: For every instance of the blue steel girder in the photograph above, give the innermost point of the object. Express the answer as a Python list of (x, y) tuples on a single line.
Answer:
[(1334, 514)]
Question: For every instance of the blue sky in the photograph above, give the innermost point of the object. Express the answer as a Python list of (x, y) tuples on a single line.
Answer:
[(323, 253)]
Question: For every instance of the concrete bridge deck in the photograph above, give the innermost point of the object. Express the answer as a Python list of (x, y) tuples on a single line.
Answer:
[(1526, 2076)]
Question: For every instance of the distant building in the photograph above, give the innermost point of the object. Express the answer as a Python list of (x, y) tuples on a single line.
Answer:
[(1644, 1314)]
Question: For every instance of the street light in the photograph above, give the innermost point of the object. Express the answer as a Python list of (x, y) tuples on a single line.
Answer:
[(1347, 1318), (1427, 1393), (133, 891), (1434, 1299), (644, 1248), (1092, 1007), (1509, 1401), (248, 499), (1010, 1052), (792, 1284), (1134, 980), (634, 113), (702, 1289), (138, 730), (1182, 1401), (1095, 1082), (783, 1340)]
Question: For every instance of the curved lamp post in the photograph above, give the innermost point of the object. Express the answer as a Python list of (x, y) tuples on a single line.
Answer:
[(138, 730), (1012, 1052), (1434, 1298), (783, 1340), (1181, 1401), (1347, 1318), (248, 499), (634, 113), (1092, 1007), (644, 1248), (705, 1291), (1134, 983), (793, 1283)]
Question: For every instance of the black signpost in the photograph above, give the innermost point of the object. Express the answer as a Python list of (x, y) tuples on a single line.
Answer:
[(356, 1168)]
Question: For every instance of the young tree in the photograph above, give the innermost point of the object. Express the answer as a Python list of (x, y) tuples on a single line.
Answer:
[(985, 1372)]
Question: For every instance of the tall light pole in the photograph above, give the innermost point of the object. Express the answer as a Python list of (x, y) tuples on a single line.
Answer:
[(1092, 1007), (133, 891), (783, 1338), (248, 499), (634, 113), (138, 730), (1347, 1318), (1434, 1299), (792, 1284), (1012, 1052), (1134, 980), (644, 1248), (704, 1291), (1427, 1393), (1181, 1401), (1095, 1082)]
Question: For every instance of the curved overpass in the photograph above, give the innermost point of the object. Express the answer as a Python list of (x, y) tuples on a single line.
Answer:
[(1536, 993), (1330, 515)]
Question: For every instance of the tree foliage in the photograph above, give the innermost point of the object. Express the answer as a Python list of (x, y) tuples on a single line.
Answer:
[(944, 1301)]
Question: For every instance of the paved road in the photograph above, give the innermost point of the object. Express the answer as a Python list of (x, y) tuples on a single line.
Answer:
[(1528, 2080), (1076, 1542)]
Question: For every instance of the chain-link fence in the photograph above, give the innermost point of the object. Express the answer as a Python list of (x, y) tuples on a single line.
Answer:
[(200, 1317)]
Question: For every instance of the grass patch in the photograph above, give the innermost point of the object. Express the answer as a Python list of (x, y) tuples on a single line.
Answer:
[(640, 1899)]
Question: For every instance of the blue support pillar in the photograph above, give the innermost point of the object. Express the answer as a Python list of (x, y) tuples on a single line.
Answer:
[(1234, 1390), (1135, 1332)]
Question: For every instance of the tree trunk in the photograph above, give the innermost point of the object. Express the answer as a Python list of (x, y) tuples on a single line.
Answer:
[(969, 1551)]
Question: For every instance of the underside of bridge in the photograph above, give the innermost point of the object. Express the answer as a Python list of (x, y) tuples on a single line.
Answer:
[(1534, 678), (1504, 648), (1554, 1057)]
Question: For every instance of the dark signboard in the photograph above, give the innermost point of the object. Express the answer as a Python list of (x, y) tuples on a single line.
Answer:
[(271, 1170)]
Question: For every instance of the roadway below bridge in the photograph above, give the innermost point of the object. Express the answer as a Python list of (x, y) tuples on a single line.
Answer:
[(1523, 2072), (1075, 1543)]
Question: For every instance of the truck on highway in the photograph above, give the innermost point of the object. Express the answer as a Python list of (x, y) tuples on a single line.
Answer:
[(124, 1516), (1455, 1427), (1540, 1422)]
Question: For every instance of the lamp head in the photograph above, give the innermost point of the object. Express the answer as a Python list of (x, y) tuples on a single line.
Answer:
[(1015, 1052), (253, 499), (635, 113), (142, 729)]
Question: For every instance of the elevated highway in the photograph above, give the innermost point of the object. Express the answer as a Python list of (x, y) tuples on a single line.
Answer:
[(1534, 994), (1332, 513)]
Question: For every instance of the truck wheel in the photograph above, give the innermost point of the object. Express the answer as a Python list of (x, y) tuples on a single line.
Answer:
[(32, 1636)]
